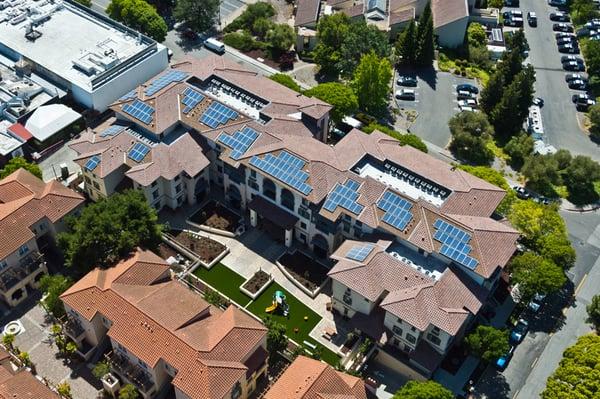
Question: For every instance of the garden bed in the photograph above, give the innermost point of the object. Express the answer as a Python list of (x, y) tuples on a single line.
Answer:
[(205, 248), (306, 271), (256, 284), (216, 216)]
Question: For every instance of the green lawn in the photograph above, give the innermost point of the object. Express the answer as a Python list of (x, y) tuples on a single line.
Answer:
[(294, 320), (224, 280)]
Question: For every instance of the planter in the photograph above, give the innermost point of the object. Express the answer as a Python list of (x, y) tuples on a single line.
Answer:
[(111, 384), (289, 276), (247, 288)]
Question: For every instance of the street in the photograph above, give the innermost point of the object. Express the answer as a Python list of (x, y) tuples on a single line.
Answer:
[(558, 114)]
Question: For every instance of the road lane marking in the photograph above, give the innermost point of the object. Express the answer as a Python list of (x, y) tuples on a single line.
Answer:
[(516, 393), (580, 284), (534, 362)]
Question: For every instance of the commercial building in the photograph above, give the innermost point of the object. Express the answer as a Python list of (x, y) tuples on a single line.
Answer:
[(31, 214), (84, 53), (162, 334)]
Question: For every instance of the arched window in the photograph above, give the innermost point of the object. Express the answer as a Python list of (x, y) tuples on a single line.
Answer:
[(287, 199), (269, 189)]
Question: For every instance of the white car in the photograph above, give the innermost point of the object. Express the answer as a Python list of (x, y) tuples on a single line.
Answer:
[(467, 109), (470, 102)]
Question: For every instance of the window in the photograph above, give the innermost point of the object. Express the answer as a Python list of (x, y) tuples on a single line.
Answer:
[(411, 338), (3, 265), (157, 206), (435, 331), (269, 189), (413, 329), (303, 225), (43, 226), (96, 185), (180, 200), (397, 330), (358, 224), (154, 183), (398, 320), (305, 202), (219, 168), (154, 194), (253, 173), (287, 199), (303, 212), (178, 188), (141, 363), (23, 249), (87, 179), (434, 339), (177, 178)]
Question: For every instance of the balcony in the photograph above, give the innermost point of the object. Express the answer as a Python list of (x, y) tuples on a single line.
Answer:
[(27, 266), (73, 328), (130, 371)]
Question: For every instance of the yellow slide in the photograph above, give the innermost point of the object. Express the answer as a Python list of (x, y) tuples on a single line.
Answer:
[(271, 308)]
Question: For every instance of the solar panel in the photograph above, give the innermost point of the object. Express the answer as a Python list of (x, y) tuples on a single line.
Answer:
[(92, 163), (163, 81), (112, 130), (344, 195), (217, 114), (129, 95), (138, 152), (359, 252), (286, 168), (455, 243), (397, 210), (140, 111), (191, 99), (239, 142)]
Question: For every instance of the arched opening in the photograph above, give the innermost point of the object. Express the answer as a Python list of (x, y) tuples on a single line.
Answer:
[(287, 199), (269, 189), (320, 246), (234, 197)]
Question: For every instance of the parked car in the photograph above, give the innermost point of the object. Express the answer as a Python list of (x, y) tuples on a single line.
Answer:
[(467, 109), (464, 95), (522, 192), (538, 101), (407, 81), (578, 85), (569, 48), (566, 40), (536, 303), (567, 58), (532, 19), (559, 16), (469, 102), (514, 21), (595, 37), (562, 27), (512, 13), (558, 35), (573, 66), (582, 101), (584, 32), (503, 360), (593, 24), (519, 331), (406, 94), (573, 76), (557, 3), (467, 87)]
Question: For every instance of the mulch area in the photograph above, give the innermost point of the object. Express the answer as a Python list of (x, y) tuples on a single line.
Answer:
[(204, 247), (259, 279), (216, 216), (304, 269)]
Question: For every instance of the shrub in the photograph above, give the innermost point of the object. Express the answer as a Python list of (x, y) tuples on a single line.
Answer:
[(240, 40), (287, 81)]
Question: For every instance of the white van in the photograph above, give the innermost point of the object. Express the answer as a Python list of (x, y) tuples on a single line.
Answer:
[(214, 45)]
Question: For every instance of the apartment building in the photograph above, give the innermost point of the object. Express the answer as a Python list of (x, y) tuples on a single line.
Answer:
[(17, 382), (161, 334), (31, 214)]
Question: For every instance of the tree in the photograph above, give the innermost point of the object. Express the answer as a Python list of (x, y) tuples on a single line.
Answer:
[(140, 16), (371, 83), (519, 147), (362, 39), (578, 374), (563, 159), (591, 52), (252, 13), (536, 275), (470, 133), (8, 341), (594, 115), (488, 343), (200, 16), (276, 339), (516, 41), (64, 390), (407, 45), (423, 390), (579, 177), (17, 163), (52, 286), (261, 26), (25, 358), (101, 369), (495, 3), (593, 311), (287, 81), (582, 11), (128, 392), (342, 98), (492, 92), (541, 172), (426, 52), (280, 37), (476, 35), (557, 248), (331, 33), (494, 177), (110, 229)]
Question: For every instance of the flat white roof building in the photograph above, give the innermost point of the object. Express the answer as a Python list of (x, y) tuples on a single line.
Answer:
[(94, 57)]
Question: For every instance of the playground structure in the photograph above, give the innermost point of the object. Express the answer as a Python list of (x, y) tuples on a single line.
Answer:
[(279, 302)]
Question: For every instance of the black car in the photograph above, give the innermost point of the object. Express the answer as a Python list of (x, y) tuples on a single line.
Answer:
[(467, 87), (522, 192), (562, 27), (532, 19), (572, 76), (557, 3), (565, 40), (573, 66), (567, 58), (559, 17), (578, 85), (582, 101), (514, 21), (559, 35), (569, 48), (407, 81)]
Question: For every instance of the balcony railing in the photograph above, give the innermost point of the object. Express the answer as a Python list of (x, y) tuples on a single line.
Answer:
[(131, 371), (13, 275), (73, 327)]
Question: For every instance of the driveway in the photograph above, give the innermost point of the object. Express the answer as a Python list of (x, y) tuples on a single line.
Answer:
[(435, 103), (558, 114)]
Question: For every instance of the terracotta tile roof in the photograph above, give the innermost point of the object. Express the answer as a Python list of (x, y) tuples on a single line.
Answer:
[(354, 11), (307, 378), (207, 346), (402, 16), (307, 12), (447, 11), (23, 385), (26, 200)]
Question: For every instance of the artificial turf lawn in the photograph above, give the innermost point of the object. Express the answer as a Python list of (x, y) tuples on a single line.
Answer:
[(225, 281), (295, 318)]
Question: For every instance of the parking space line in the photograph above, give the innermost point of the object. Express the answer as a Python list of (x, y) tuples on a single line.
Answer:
[(516, 393), (580, 284), (534, 362)]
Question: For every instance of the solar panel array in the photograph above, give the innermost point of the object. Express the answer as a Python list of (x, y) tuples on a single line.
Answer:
[(455, 243), (344, 195), (92, 163), (286, 168), (138, 152), (397, 210), (191, 99), (217, 114), (359, 252), (112, 130), (140, 111), (129, 95), (239, 141), (163, 81)]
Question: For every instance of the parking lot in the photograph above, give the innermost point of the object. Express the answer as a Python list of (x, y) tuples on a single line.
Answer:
[(435, 103), (559, 116)]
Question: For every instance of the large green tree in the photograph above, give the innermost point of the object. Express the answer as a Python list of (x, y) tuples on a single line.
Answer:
[(276, 339), (591, 52), (139, 15), (331, 33), (198, 15), (52, 286), (583, 10), (110, 229), (487, 342), (578, 374), (423, 390), (492, 92), (593, 311), (371, 83), (519, 147), (342, 98), (470, 133), (362, 39), (536, 275), (17, 163), (594, 115), (426, 51), (476, 35), (541, 172), (579, 177), (407, 45), (128, 391), (280, 37)]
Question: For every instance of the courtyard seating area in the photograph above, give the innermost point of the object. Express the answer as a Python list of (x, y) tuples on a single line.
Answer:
[(217, 216)]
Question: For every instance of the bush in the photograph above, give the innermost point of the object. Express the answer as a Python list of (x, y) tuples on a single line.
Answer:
[(240, 40), (404, 138), (252, 13), (287, 81)]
